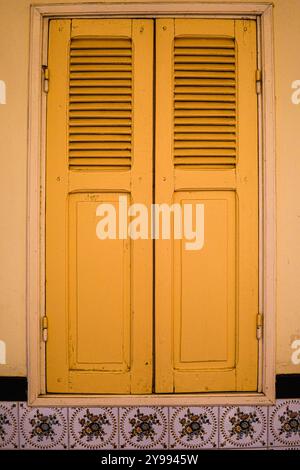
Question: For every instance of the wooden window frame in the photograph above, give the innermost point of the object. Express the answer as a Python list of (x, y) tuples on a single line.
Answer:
[(40, 16)]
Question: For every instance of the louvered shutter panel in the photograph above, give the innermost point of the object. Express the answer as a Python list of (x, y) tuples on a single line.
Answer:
[(204, 102), (206, 153), (100, 103), (99, 147)]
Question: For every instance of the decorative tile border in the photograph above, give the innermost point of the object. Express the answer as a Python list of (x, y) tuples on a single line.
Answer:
[(193, 427), (243, 427), (146, 427), (93, 428), (284, 424), (9, 435), (43, 428)]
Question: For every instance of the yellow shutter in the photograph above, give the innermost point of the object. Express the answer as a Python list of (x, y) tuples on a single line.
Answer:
[(99, 147), (206, 152)]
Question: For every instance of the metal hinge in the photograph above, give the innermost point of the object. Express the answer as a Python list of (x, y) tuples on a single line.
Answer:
[(45, 78), (259, 326), (258, 81), (45, 328)]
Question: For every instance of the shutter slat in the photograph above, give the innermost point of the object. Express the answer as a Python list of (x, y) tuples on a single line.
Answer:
[(91, 121), (117, 67), (100, 113), (204, 74), (100, 75), (207, 90), (100, 161), (203, 128), (205, 67), (107, 119), (90, 153), (80, 129), (117, 92), (205, 152), (197, 59), (195, 113), (193, 162), (202, 144), (196, 42), (103, 83), (100, 53), (204, 102), (98, 138), (202, 82), (197, 97), (204, 137), (94, 145), (100, 104), (100, 60), (99, 43), (200, 104), (202, 51)]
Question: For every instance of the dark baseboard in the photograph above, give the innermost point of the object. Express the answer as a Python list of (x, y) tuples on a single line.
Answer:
[(288, 386), (15, 388)]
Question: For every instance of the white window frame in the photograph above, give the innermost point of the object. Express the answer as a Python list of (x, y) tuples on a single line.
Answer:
[(40, 16)]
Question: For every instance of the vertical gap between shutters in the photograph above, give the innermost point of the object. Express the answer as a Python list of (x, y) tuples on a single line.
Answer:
[(153, 199)]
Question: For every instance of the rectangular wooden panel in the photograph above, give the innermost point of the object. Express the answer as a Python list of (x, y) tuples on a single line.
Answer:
[(99, 336), (205, 286)]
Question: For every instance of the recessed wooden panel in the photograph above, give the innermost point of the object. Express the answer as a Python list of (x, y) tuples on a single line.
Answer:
[(205, 286), (99, 286)]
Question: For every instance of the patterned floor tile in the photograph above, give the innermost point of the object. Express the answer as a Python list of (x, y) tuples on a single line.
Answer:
[(93, 428), (243, 427), (144, 427), (284, 424), (9, 438), (193, 427), (43, 428)]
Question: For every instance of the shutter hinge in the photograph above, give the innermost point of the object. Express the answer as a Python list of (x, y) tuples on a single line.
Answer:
[(45, 328), (45, 78), (259, 326), (258, 81)]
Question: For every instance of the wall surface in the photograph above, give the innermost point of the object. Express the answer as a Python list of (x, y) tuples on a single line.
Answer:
[(14, 61)]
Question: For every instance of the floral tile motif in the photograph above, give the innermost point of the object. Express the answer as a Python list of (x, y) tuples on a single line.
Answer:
[(43, 428), (284, 424), (93, 428), (243, 427), (144, 428), (8, 425), (193, 427)]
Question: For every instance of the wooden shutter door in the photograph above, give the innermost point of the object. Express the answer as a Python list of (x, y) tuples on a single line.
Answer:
[(206, 152), (99, 147)]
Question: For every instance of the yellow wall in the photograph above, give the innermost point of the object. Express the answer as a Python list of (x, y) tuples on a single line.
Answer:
[(14, 52)]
